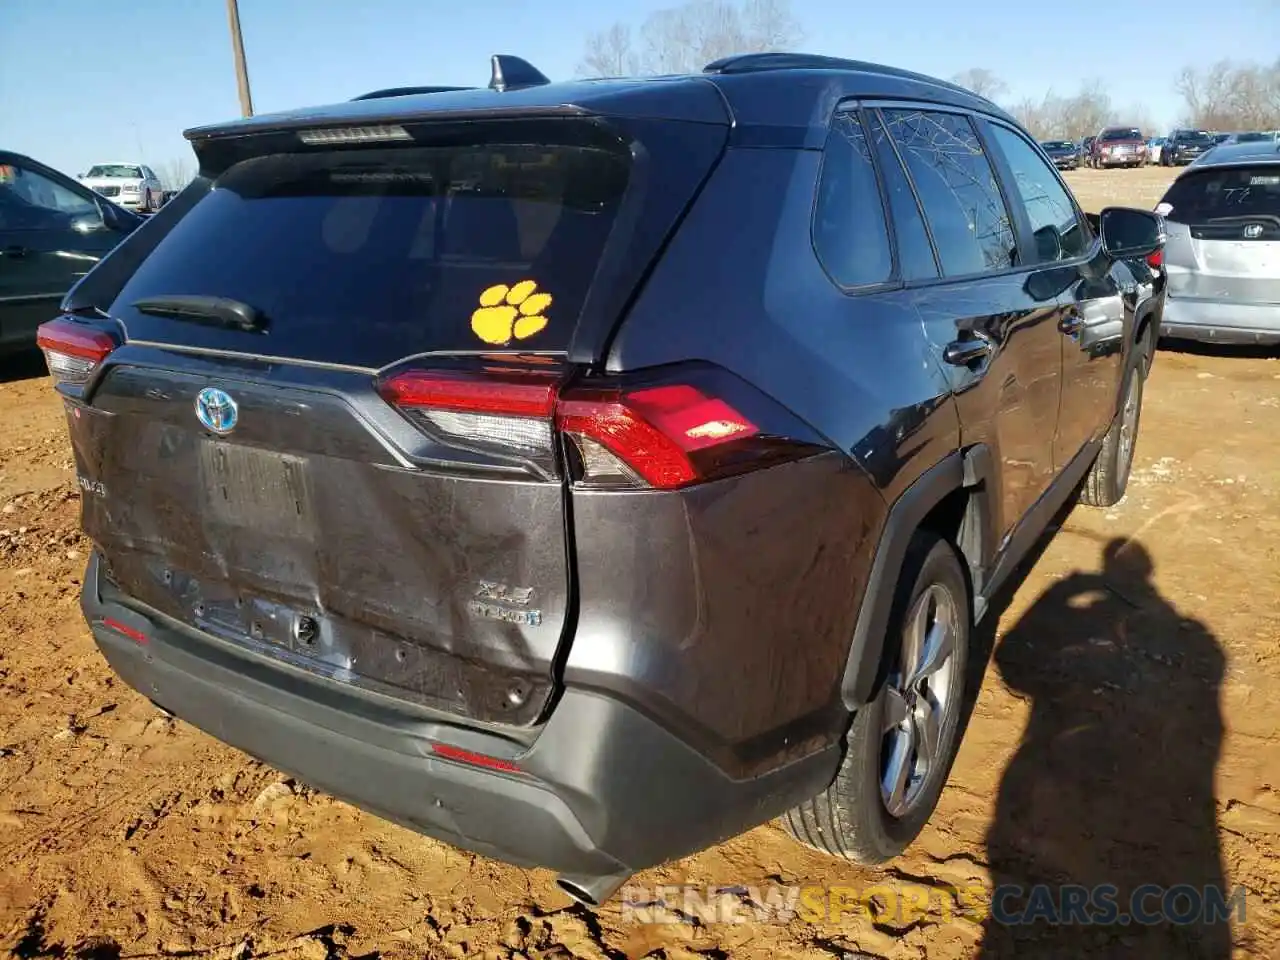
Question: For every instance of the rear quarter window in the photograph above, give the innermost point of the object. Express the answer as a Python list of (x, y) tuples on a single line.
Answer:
[(849, 230)]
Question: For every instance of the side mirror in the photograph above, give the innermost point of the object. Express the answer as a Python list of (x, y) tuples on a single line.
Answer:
[(116, 219), (1129, 233)]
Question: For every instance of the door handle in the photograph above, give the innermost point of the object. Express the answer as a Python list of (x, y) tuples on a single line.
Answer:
[(961, 353), (1071, 323), (15, 252)]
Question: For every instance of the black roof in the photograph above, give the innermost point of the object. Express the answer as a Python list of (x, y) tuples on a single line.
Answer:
[(791, 95)]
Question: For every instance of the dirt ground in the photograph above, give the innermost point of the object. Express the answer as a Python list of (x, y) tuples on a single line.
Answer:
[(1127, 731)]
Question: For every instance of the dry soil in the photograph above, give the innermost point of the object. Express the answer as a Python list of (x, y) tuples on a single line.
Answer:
[(1127, 731)]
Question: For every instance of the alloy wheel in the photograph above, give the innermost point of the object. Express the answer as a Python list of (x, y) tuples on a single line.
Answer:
[(921, 698), (1129, 425)]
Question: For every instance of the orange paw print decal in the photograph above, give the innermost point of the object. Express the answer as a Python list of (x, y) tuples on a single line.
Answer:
[(509, 313)]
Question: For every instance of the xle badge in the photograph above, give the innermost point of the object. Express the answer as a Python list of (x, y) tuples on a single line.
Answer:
[(497, 601)]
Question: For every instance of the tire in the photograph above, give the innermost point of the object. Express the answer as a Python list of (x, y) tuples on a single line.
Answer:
[(851, 818), (1109, 476)]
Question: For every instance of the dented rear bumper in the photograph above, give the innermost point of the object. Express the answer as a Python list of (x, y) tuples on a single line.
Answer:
[(599, 789)]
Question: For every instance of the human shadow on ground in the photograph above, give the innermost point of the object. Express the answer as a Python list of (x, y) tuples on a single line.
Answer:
[(1106, 811)]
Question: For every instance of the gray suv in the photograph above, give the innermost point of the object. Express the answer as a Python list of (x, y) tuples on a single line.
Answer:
[(585, 473)]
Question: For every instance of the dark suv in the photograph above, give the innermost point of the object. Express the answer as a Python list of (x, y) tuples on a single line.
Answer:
[(585, 473), (52, 231), (1184, 146)]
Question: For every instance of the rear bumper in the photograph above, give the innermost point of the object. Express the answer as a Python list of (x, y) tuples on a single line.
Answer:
[(602, 789), (1212, 321)]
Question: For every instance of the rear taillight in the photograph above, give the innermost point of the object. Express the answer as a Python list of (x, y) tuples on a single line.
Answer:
[(73, 350), (662, 436), (665, 433), (505, 414), (1156, 260)]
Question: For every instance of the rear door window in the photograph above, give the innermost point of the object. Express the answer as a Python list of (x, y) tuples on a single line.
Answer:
[(1225, 194), (915, 253), (1059, 232), (849, 231), (958, 189), (404, 245)]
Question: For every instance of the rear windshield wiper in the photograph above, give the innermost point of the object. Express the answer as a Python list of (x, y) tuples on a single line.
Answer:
[(212, 311)]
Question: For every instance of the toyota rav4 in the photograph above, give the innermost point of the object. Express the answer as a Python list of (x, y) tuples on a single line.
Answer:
[(585, 473)]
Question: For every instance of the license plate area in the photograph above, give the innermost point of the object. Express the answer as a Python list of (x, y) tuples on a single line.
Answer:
[(255, 490)]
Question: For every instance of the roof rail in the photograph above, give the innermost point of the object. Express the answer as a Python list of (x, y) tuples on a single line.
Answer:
[(751, 62), (406, 92), (756, 62), (512, 73)]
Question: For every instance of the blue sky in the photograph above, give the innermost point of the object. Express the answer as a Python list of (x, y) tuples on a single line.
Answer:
[(86, 80)]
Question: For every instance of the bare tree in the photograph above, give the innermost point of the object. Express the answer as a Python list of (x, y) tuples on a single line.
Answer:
[(1037, 116), (176, 173), (610, 54), (981, 81), (1073, 117), (1231, 96), (1139, 116), (1087, 112), (685, 38)]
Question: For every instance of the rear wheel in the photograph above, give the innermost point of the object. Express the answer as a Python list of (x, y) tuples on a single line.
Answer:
[(901, 745), (1109, 476)]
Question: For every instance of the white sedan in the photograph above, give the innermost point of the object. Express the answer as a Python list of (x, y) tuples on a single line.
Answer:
[(131, 185)]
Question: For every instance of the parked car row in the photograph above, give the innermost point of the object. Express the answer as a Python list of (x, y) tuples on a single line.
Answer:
[(1125, 147)]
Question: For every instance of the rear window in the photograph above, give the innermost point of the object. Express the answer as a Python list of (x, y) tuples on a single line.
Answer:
[(428, 247), (1131, 133), (1209, 195)]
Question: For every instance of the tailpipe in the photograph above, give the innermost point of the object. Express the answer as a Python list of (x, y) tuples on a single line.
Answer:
[(591, 891)]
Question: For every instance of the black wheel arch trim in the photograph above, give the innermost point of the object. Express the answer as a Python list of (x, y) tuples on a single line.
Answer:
[(969, 470)]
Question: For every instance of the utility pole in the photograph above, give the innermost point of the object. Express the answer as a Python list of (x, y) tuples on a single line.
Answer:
[(237, 45)]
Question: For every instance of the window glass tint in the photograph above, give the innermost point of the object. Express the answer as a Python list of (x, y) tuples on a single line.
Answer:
[(30, 201), (915, 255), (386, 239), (115, 170), (1208, 195), (849, 231), (1121, 133), (958, 189), (1057, 229)]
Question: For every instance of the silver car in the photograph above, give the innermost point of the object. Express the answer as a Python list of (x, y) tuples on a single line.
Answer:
[(1222, 257)]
